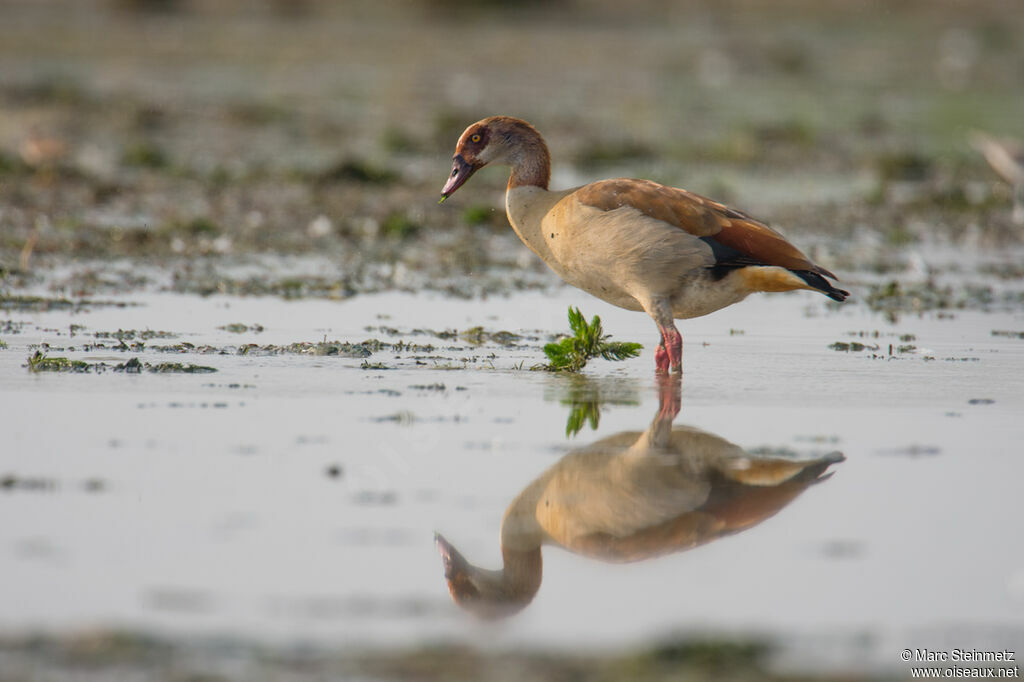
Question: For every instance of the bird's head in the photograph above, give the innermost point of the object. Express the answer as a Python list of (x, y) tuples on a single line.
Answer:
[(496, 139), (471, 154)]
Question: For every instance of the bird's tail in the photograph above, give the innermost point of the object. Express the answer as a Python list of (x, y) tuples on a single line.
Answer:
[(817, 281)]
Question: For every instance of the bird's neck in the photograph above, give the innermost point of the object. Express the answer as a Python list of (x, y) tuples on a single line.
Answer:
[(526, 207), (532, 171), (530, 160)]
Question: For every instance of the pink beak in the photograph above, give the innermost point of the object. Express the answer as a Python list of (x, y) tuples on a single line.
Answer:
[(461, 170)]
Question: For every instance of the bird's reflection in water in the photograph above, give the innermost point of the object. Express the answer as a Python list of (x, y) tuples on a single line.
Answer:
[(629, 497)]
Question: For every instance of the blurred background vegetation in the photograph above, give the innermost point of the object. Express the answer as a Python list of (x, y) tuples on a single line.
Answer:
[(163, 128)]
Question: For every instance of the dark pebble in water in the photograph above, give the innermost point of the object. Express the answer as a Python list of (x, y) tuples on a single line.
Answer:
[(334, 471)]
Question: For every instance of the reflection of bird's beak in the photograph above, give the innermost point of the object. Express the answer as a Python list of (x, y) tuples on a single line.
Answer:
[(456, 573), (461, 170), (454, 563)]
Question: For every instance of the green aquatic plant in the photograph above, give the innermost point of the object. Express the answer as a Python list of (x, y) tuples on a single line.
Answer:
[(588, 341)]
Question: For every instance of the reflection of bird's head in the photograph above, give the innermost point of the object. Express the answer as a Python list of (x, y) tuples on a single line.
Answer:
[(491, 594)]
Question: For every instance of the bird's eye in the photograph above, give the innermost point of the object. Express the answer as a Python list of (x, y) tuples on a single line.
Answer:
[(475, 138)]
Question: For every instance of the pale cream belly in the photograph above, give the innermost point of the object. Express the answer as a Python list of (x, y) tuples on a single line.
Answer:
[(696, 295), (702, 295), (603, 288)]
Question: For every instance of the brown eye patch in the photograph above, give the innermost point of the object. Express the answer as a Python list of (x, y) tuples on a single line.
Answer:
[(476, 140)]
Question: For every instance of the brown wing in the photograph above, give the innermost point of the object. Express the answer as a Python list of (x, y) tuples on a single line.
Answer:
[(746, 241), (684, 532)]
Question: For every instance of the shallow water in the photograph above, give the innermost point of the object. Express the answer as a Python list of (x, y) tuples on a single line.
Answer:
[(295, 498)]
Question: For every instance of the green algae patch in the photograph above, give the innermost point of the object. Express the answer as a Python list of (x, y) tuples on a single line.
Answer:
[(34, 303), (476, 336), (288, 288), (135, 334), (133, 366), (39, 362), (893, 298), (337, 349), (42, 304), (479, 336), (321, 348), (851, 346), (177, 368), (136, 366)]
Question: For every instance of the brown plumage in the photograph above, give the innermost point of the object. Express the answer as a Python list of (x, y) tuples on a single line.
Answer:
[(635, 243), (701, 217)]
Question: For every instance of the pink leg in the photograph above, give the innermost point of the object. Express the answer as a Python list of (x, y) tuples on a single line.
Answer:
[(661, 359), (674, 343), (670, 350)]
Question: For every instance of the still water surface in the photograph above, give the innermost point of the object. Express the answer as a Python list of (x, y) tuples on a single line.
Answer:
[(296, 498)]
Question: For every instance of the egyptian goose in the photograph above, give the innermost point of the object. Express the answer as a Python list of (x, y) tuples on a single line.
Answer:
[(630, 497), (634, 243)]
